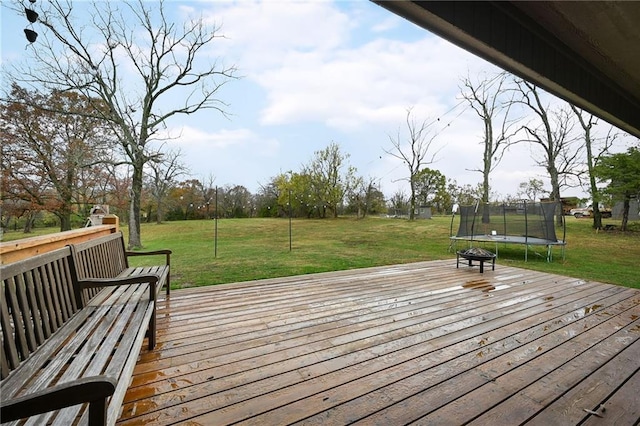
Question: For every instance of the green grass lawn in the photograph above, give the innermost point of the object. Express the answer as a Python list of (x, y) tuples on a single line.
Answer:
[(249, 249)]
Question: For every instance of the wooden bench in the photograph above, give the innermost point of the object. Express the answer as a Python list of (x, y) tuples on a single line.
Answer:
[(98, 261), (72, 330)]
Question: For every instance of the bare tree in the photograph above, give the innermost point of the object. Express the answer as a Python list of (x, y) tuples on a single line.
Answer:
[(364, 196), (132, 58), (553, 135), (163, 175), (398, 203), (208, 190), (415, 154), (487, 97), (46, 156), (590, 145)]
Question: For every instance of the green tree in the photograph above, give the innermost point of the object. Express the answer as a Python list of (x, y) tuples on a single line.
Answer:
[(267, 199), (468, 195), (429, 185), (531, 190), (331, 177), (294, 195), (365, 198), (622, 172)]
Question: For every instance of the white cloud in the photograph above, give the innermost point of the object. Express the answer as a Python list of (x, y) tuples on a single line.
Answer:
[(352, 71), (322, 71)]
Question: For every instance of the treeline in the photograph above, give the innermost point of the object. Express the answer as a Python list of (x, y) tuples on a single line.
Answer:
[(58, 161)]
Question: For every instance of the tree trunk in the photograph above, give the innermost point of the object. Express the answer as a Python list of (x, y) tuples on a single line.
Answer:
[(412, 201), (160, 213), (134, 206), (597, 214), (65, 221), (625, 212), (64, 214), (30, 219), (555, 190), (595, 194), (487, 162)]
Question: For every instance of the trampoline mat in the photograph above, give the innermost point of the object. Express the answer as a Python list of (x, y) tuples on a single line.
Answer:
[(510, 239)]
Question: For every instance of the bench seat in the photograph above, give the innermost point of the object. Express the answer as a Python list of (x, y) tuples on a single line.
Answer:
[(101, 341)]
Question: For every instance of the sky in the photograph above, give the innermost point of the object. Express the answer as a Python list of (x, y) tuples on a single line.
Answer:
[(316, 72)]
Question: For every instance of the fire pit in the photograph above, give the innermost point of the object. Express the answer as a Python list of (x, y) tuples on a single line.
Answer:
[(477, 254)]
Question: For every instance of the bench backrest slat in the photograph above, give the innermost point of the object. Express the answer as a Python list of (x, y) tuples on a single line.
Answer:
[(39, 323), (37, 299), (102, 257)]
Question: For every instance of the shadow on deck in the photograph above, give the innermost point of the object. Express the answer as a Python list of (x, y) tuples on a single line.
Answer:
[(422, 342)]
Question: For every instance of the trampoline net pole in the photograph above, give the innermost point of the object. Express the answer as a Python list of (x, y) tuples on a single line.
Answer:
[(504, 219), (526, 233)]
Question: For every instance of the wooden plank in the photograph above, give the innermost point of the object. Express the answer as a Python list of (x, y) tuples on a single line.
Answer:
[(533, 398), (288, 309), (401, 392), (217, 382), (25, 248), (382, 345), (26, 314), (500, 384), (54, 280), (15, 320), (463, 356), (53, 304), (102, 337), (4, 360), (34, 308), (9, 348), (622, 407), (12, 385), (341, 325), (433, 315), (600, 387), (41, 301)]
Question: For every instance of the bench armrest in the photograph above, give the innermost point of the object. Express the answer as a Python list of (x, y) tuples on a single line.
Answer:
[(94, 390), (167, 253), (152, 279), (110, 282), (167, 261)]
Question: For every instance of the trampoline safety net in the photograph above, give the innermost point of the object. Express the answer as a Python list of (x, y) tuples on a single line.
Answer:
[(525, 220)]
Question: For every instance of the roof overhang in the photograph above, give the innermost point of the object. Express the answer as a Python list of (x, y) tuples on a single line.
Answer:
[(583, 52)]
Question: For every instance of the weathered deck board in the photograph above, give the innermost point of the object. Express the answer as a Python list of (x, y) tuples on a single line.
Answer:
[(424, 343)]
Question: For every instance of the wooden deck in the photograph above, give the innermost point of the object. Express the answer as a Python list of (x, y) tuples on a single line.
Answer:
[(423, 342)]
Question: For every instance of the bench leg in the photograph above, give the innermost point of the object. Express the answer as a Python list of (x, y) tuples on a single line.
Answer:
[(152, 329), (98, 412)]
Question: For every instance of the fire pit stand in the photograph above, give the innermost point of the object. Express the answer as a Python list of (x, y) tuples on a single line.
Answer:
[(477, 254)]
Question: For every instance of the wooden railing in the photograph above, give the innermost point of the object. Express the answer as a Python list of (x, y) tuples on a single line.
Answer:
[(13, 251)]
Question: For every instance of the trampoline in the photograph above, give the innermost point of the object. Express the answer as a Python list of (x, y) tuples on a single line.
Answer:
[(526, 223)]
